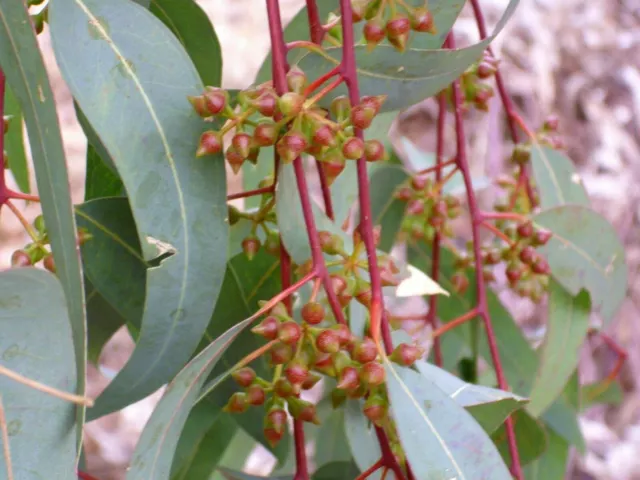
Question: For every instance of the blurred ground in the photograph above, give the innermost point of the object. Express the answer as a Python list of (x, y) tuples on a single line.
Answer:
[(578, 59)]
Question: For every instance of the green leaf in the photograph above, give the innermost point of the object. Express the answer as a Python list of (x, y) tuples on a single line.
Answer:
[(557, 179), (585, 252), (567, 327), (406, 79), (386, 210), (14, 141), (489, 406), (531, 438), (155, 450), (191, 26), (203, 443), (361, 437), (234, 475), (331, 444), (336, 471), (603, 392), (100, 180), (102, 322), (37, 343), (27, 77), (440, 438), (553, 463), (176, 201)]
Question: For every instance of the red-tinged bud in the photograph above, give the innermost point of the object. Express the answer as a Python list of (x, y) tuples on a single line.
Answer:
[(405, 354), (374, 151), (488, 276), (359, 8), (303, 410), (340, 107), (210, 144), (374, 33), (486, 70), (328, 341), (244, 377), (311, 381), (291, 146), (525, 230), (365, 351), (521, 154), (283, 388), (290, 104), (234, 159), (20, 258), (492, 257), (528, 255), (404, 193), (324, 136), (242, 143), (215, 100), (460, 282), (514, 273), (296, 80), (330, 243), (83, 236), (281, 353), (268, 328), (313, 313), (333, 163), (199, 104), (440, 208), (422, 21), (289, 332), (415, 207), (363, 293), (541, 267), (280, 311), (344, 334), (541, 237), (397, 31), (277, 419), (272, 244), (296, 372), (338, 397), (49, 263), (349, 379), (272, 436), (339, 284), (551, 123), (250, 246), (255, 395), (372, 374), (375, 409), (353, 148), (237, 403), (324, 363), (362, 116), (373, 101), (266, 104)]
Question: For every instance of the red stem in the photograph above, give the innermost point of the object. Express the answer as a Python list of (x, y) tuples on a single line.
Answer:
[(435, 252), (251, 193), (321, 79), (619, 351), (372, 469), (85, 476), (302, 470), (4, 194), (497, 232), (387, 455), (315, 25), (516, 217), (441, 165), (481, 291), (326, 192), (470, 315)]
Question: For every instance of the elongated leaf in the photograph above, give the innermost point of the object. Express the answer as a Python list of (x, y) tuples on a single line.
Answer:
[(553, 463), (100, 180), (530, 434), (406, 79), (102, 322), (37, 343), (176, 200), (387, 211), (557, 179), (331, 444), (567, 327), (489, 406), (361, 437), (27, 77), (585, 252), (14, 141), (336, 471), (191, 26), (154, 454), (440, 439)]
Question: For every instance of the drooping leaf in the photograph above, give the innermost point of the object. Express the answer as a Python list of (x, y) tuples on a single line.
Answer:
[(102, 322), (361, 436), (603, 392), (336, 471), (552, 463), (37, 343), (192, 27), (567, 327), (489, 406), (27, 77), (14, 141), (176, 201), (406, 79), (155, 450), (585, 252), (439, 437), (557, 179), (531, 438)]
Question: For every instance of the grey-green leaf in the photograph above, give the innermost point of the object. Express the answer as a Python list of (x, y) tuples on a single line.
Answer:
[(139, 109), (553, 462), (27, 77), (440, 438), (37, 343), (557, 179), (567, 327), (154, 453), (585, 252), (361, 437)]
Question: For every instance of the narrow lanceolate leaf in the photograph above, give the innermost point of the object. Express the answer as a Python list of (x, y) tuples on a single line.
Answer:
[(552, 463), (567, 327), (489, 406), (557, 179), (26, 75), (192, 27), (585, 252), (177, 201), (37, 343), (440, 438), (154, 454), (14, 141), (102, 322), (361, 436), (406, 79), (100, 180)]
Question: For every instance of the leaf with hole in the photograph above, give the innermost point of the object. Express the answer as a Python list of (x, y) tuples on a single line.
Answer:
[(27, 77), (439, 437), (37, 343), (567, 327), (585, 252), (557, 179), (177, 202)]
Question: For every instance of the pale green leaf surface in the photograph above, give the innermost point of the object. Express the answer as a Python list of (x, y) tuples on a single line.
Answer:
[(361, 437), (557, 179)]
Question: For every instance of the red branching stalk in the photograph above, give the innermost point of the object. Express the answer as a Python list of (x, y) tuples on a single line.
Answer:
[(2, 87), (371, 470), (481, 289), (251, 193), (315, 25), (620, 352)]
